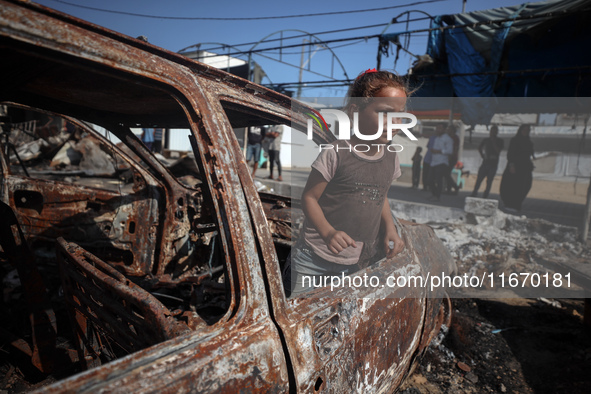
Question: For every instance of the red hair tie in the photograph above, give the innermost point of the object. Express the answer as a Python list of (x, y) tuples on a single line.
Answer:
[(368, 71)]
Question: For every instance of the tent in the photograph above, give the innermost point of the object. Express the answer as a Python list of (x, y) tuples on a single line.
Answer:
[(529, 50)]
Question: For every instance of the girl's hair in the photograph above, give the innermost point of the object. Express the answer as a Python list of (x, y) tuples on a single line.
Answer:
[(370, 82)]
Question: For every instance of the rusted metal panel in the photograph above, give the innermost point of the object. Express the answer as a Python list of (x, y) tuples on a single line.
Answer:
[(379, 330), (319, 330), (95, 217), (366, 339), (40, 313), (123, 316), (193, 364)]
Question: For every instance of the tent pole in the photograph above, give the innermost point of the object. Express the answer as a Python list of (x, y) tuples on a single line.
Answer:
[(451, 111), (587, 215), (462, 137)]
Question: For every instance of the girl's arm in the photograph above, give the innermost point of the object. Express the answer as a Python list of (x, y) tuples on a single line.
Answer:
[(336, 241), (391, 234)]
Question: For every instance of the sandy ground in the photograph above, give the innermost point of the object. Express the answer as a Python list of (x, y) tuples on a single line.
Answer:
[(556, 190)]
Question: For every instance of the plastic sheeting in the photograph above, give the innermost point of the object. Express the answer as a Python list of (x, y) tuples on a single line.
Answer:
[(528, 50)]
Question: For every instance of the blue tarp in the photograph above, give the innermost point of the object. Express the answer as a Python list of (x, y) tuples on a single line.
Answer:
[(529, 50)]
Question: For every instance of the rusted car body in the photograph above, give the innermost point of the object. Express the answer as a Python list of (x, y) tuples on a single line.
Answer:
[(172, 283)]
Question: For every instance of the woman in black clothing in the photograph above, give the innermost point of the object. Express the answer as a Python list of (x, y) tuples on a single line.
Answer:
[(517, 178)]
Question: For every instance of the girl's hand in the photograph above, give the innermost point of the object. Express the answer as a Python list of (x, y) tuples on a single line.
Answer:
[(393, 244), (337, 241)]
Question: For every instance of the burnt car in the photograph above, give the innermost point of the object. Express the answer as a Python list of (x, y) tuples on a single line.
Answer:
[(154, 277)]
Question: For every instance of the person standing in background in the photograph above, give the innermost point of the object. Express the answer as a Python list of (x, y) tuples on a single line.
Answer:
[(490, 149), (453, 159), (157, 144), (427, 159), (275, 136), (517, 177), (254, 144), (442, 149)]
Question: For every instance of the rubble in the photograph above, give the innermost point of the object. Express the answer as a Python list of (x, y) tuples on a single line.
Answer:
[(481, 206), (94, 160), (485, 241), (509, 345), (66, 156)]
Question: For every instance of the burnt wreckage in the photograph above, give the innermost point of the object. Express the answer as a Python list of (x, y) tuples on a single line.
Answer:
[(151, 274)]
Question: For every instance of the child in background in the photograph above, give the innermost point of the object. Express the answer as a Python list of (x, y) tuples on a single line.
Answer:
[(345, 199), (416, 167)]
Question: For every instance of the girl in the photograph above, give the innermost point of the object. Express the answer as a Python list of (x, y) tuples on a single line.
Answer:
[(345, 199)]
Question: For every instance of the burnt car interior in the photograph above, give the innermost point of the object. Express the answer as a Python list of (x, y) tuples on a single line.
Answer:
[(106, 242), (139, 241)]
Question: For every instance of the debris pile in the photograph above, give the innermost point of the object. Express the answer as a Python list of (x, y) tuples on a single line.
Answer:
[(54, 148), (507, 346), (510, 244), (60, 147), (512, 345)]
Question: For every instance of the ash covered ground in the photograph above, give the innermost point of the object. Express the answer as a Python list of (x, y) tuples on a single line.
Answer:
[(504, 343)]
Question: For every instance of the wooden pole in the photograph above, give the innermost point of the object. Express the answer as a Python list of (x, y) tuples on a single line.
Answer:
[(587, 215)]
